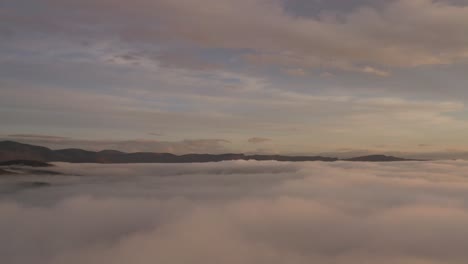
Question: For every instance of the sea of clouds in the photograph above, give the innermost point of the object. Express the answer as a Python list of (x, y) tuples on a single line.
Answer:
[(239, 212)]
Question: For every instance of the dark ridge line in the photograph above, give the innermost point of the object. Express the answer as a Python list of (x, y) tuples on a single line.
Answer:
[(15, 153)]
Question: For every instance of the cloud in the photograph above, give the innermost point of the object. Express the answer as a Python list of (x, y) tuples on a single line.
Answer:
[(186, 60), (239, 212), (257, 140), (401, 33), (372, 70), (423, 145), (351, 122), (140, 67), (327, 74), (35, 136), (156, 134), (298, 72)]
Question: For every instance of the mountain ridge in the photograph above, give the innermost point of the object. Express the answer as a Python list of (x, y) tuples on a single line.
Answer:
[(11, 150)]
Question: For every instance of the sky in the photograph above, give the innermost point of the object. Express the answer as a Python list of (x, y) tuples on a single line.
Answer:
[(253, 76), (238, 212)]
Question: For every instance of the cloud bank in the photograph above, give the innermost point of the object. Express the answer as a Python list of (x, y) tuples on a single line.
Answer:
[(239, 212)]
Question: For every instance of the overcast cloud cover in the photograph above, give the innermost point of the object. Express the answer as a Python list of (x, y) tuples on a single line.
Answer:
[(239, 212), (355, 74)]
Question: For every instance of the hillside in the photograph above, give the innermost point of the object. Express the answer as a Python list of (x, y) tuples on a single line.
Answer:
[(18, 152)]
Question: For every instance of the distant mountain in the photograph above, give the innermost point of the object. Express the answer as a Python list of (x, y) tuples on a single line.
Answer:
[(377, 158), (29, 163), (10, 150)]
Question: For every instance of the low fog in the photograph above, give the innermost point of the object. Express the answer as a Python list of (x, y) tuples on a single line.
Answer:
[(240, 212)]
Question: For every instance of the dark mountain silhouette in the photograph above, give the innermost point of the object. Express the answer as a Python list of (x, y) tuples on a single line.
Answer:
[(30, 163), (10, 150), (376, 158)]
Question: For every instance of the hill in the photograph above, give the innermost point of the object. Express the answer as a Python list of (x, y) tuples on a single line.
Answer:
[(29, 163), (377, 158), (38, 156)]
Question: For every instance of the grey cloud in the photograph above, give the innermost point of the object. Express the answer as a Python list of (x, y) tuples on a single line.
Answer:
[(402, 33), (39, 137), (423, 145), (95, 89), (257, 140), (297, 72), (156, 134), (186, 60), (240, 212), (168, 59)]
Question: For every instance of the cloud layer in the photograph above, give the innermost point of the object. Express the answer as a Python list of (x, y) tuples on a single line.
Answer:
[(401, 33), (239, 212)]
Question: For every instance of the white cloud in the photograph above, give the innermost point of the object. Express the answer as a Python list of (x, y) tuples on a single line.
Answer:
[(239, 212)]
